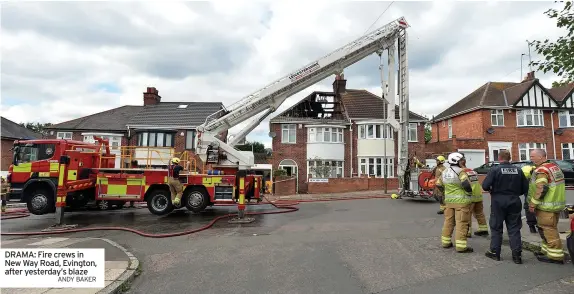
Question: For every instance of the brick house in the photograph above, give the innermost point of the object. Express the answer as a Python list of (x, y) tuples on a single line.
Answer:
[(156, 125), (316, 133), (12, 131), (512, 116)]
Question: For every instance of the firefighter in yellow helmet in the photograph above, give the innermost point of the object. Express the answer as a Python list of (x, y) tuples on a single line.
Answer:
[(437, 173), (5, 188), (175, 186), (457, 190), (530, 217)]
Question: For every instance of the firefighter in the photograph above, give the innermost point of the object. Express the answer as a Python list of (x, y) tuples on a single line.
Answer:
[(505, 183), (530, 217), (456, 186), (175, 186), (437, 171), (547, 193), (4, 193), (476, 207)]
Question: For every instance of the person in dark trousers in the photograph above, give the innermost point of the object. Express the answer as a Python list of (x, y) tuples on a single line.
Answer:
[(505, 183), (530, 217)]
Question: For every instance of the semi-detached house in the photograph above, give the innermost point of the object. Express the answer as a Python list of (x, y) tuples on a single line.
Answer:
[(343, 130), (514, 116)]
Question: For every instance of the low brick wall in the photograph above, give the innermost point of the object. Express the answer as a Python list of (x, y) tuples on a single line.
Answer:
[(285, 186), (340, 185)]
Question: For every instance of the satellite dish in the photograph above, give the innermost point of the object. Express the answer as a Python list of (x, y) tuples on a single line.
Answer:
[(559, 132), (272, 134), (490, 130)]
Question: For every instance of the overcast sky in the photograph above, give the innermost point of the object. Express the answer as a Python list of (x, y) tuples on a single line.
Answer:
[(65, 60)]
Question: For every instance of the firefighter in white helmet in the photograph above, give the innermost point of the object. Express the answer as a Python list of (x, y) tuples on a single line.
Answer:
[(457, 190), (175, 186)]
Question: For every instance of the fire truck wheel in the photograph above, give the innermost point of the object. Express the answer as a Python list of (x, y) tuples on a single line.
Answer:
[(40, 202), (103, 204), (196, 199), (159, 202)]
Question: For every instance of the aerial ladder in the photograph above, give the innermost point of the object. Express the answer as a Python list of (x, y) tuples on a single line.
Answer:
[(391, 37)]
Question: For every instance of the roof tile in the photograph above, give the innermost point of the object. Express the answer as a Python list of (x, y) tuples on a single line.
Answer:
[(110, 120), (13, 130), (559, 93), (169, 114), (364, 104)]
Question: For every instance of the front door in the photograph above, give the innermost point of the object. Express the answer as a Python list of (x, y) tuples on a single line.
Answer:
[(494, 149)]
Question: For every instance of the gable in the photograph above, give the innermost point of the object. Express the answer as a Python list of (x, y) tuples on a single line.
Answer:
[(568, 102), (536, 97)]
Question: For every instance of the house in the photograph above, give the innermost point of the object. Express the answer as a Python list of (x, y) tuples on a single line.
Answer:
[(342, 130), (154, 130), (514, 116), (12, 131)]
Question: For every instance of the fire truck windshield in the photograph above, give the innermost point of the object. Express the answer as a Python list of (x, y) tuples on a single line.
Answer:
[(25, 153)]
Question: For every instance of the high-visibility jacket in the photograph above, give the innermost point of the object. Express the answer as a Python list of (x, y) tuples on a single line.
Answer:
[(452, 179), (555, 198), (476, 195), (437, 174)]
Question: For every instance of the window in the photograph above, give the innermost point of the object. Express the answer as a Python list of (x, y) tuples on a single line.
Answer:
[(524, 149), (322, 169), (374, 167), (567, 151), (377, 131), (450, 128), (325, 135), (566, 119), (497, 117), (155, 139), (115, 141), (190, 140), (34, 152), (413, 132), (529, 118), (288, 134), (64, 135)]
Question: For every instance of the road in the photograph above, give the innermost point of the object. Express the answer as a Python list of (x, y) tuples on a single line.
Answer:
[(359, 246)]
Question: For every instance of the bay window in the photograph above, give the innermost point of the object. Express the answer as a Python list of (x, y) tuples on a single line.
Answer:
[(524, 149), (156, 139), (375, 167), (375, 131), (566, 119), (567, 151), (325, 135), (323, 169), (529, 118)]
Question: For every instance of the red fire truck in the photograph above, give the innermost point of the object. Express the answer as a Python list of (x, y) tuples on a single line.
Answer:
[(47, 174)]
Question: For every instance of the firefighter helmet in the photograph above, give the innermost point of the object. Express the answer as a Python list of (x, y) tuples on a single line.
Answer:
[(454, 158), (175, 160), (394, 196), (441, 159), (527, 170)]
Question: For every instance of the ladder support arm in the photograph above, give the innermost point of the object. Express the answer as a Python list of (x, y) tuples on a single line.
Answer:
[(241, 135)]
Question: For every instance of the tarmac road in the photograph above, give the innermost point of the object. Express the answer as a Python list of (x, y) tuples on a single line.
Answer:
[(360, 246)]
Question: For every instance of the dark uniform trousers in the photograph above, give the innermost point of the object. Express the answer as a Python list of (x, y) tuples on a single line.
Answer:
[(508, 209), (530, 217)]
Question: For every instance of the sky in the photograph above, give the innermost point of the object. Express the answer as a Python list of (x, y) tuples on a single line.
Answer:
[(64, 60)]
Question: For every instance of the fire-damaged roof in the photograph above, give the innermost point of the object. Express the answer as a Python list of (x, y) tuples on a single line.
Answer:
[(12, 130), (528, 93)]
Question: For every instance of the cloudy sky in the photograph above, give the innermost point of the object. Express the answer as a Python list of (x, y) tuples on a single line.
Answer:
[(65, 60)]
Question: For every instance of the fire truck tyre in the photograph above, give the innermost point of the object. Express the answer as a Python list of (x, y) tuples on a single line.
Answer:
[(159, 202), (104, 204), (197, 200), (40, 202)]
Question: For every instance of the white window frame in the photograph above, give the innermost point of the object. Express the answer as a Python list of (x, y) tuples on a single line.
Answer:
[(524, 149), (524, 114), (337, 172), (190, 139), (377, 163), (375, 132), (64, 135), (413, 132), (319, 135), (286, 130), (497, 117), (566, 119), (449, 128), (569, 147)]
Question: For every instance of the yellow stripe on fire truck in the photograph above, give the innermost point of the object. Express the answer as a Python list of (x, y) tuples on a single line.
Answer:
[(23, 168), (211, 181)]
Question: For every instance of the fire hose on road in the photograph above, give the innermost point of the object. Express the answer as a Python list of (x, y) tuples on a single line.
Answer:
[(282, 206)]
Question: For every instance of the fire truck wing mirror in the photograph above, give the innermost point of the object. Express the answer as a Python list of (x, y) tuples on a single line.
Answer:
[(16, 155), (64, 159)]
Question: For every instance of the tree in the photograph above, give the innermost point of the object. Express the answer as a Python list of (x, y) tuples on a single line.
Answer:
[(37, 127), (428, 133), (558, 55), (257, 147)]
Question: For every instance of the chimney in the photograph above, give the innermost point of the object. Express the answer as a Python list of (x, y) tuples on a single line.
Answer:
[(529, 76), (340, 84), (151, 96)]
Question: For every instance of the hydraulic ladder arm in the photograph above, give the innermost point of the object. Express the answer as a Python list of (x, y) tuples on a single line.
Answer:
[(273, 95)]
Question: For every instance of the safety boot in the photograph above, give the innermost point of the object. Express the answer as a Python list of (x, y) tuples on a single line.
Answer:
[(490, 254), (176, 201), (544, 258), (466, 250), (517, 257), (532, 229), (440, 212), (447, 246)]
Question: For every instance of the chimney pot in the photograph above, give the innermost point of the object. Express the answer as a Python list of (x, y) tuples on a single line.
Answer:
[(529, 76), (151, 96), (340, 84)]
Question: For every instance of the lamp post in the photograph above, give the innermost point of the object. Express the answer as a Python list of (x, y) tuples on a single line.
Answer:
[(384, 163)]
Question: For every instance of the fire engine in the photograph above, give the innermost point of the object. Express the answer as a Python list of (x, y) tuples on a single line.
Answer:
[(76, 172)]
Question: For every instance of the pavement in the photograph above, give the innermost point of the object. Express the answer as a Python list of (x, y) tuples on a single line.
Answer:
[(121, 266)]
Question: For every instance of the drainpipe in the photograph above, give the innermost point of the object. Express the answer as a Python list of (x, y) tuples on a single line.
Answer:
[(351, 143), (553, 136)]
